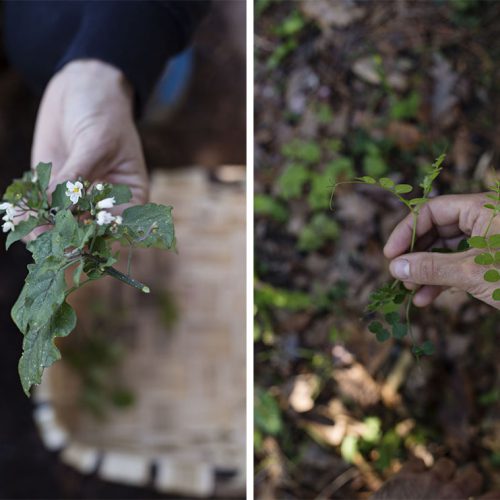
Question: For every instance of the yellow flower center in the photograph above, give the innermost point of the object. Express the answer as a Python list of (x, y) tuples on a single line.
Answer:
[(76, 190)]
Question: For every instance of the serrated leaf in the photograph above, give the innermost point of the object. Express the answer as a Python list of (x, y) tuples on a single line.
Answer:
[(43, 173), (39, 350), (149, 225), (494, 241), (496, 294), (477, 242), (22, 229), (484, 259), (403, 188), (491, 276)]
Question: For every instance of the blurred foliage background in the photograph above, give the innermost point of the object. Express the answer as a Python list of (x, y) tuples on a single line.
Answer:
[(344, 89)]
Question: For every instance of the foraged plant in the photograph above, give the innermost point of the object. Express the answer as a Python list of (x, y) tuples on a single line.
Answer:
[(80, 233), (489, 244), (392, 302)]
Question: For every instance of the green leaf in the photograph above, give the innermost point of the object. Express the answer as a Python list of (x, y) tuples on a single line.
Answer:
[(305, 151), (494, 241), (477, 242), (267, 413), (374, 165), (291, 182), (463, 245), (150, 225), (320, 230), (22, 229), (381, 333), (77, 273), (59, 198), (484, 259), (386, 183), (427, 348), (120, 192), (497, 257), (399, 330), (417, 201), (267, 206), (492, 276), (496, 294), (39, 350), (43, 173), (367, 179), (42, 294), (403, 188), (67, 228), (47, 244)]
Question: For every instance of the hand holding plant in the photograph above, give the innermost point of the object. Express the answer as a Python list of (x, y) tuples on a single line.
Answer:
[(85, 127), (80, 236), (471, 264), (443, 222)]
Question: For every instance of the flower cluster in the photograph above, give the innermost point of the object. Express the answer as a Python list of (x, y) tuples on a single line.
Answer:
[(9, 218), (74, 191)]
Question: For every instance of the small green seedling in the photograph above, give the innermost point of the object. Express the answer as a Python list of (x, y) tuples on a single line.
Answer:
[(489, 245), (392, 302), (80, 233)]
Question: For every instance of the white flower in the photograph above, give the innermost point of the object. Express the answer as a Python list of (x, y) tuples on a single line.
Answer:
[(11, 212), (8, 226), (6, 205), (74, 191), (99, 187), (104, 217), (106, 203), (118, 219)]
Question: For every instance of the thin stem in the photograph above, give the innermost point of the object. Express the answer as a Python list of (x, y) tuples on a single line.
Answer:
[(76, 287), (414, 230)]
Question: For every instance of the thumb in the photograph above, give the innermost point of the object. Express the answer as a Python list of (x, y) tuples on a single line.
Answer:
[(426, 268)]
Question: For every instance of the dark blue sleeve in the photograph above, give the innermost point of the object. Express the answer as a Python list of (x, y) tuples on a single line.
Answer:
[(137, 37)]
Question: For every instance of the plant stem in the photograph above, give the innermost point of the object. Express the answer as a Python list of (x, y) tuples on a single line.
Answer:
[(111, 271)]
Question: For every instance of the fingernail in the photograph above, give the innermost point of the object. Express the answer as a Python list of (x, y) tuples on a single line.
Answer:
[(401, 269)]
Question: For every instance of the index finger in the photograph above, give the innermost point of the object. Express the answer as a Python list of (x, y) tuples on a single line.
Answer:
[(442, 211)]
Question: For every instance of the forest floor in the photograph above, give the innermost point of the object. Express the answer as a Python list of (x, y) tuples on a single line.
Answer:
[(344, 89)]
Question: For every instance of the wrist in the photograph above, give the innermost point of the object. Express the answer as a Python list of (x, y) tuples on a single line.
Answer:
[(98, 75)]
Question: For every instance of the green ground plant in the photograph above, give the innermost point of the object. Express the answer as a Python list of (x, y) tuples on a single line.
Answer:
[(80, 235), (392, 302)]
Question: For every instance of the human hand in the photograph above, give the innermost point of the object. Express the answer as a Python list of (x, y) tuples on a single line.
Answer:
[(85, 127), (442, 222)]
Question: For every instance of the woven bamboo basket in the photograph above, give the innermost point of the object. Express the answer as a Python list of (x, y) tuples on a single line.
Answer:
[(186, 427)]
